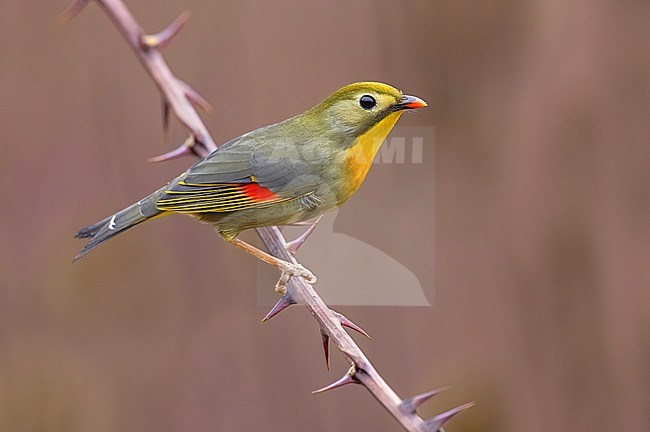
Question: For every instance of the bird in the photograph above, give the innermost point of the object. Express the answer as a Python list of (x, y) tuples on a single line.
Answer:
[(282, 174)]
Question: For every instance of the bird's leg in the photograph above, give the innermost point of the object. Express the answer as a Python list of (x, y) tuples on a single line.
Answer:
[(288, 269), (293, 246)]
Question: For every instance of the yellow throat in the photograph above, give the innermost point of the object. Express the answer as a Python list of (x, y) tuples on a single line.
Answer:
[(359, 157)]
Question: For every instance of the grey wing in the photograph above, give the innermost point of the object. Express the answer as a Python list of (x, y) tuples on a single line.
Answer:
[(230, 163), (285, 173), (271, 164)]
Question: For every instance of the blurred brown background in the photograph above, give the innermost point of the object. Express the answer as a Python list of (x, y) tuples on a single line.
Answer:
[(542, 185)]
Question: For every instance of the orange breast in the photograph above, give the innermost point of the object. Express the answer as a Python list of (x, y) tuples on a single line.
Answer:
[(358, 161)]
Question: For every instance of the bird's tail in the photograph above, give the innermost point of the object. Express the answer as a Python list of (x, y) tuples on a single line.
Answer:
[(119, 222)]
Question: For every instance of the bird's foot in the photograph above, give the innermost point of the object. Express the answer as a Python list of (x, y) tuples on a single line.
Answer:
[(290, 269)]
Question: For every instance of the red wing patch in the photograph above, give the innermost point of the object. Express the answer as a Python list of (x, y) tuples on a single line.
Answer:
[(258, 193), (216, 198)]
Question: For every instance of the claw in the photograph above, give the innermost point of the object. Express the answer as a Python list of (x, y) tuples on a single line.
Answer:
[(293, 246), (289, 269), (434, 424), (284, 302), (164, 37), (326, 348), (281, 285), (348, 378), (73, 10), (410, 405), (310, 278), (182, 150), (345, 322)]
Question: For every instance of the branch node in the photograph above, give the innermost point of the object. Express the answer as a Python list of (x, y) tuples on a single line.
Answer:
[(164, 37), (434, 424), (410, 405), (284, 302), (348, 378)]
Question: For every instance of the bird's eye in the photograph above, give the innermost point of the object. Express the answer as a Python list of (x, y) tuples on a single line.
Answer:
[(367, 102)]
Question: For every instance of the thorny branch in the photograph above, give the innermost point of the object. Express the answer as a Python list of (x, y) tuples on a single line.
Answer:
[(179, 98)]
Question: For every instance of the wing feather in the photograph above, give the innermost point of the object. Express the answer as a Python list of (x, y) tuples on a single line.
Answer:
[(218, 199), (246, 172)]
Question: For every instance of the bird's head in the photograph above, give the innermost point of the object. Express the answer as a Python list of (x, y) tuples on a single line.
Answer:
[(355, 108)]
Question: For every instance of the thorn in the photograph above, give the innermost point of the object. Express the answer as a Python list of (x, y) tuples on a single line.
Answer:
[(348, 378), (174, 154), (284, 302), (410, 405), (196, 98), (295, 224), (293, 246), (166, 113), (345, 322), (434, 424), (73, 10), (182, 150), (349, 324), (164, 37), (326, 348)]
